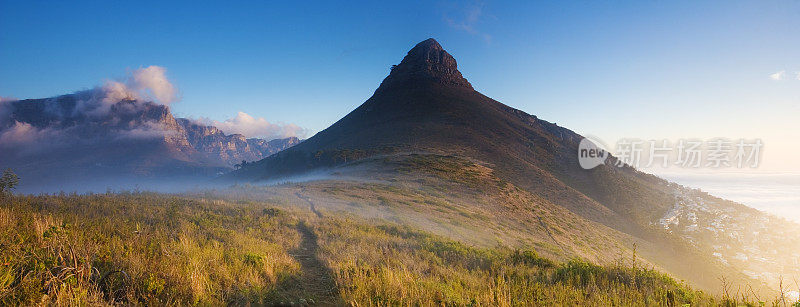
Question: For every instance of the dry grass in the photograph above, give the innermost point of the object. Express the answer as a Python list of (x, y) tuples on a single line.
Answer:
[(56, 250), (389, 265), (196, 250)]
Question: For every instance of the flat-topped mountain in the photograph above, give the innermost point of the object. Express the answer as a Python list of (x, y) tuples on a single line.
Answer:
[(90, 135)]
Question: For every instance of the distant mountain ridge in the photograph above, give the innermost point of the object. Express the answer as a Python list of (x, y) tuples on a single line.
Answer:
[(231, 148), (87, 134)]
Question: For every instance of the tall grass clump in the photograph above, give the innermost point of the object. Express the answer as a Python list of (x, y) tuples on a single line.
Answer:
[(141, 248)]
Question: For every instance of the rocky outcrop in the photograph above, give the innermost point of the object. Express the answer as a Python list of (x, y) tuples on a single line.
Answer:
[(426, 62), (233, 148), (268, 148)]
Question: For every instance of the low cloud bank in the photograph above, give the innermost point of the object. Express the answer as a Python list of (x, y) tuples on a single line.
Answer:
[(149, 83), (252, 127), (144, 84), (21, 134), (776, 193)]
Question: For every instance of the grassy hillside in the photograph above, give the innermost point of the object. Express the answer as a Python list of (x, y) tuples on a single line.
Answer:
[(467, 200), (416, 110), (155, 249), (150, 248), (424, 229)]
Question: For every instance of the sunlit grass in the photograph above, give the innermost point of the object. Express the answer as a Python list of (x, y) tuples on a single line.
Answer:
[(172, 249), (153, 249)]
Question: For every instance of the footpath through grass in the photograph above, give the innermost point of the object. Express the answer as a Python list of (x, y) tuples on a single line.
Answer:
[(152, 249)]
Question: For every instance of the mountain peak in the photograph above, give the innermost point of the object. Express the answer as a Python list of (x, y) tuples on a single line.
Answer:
[(426, 62), (429, 44)]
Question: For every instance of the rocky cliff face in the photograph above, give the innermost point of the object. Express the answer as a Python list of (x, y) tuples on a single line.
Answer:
[(426, 62), (233, 148)]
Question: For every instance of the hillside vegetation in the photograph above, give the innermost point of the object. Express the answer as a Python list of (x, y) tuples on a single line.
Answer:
[(146, 248)]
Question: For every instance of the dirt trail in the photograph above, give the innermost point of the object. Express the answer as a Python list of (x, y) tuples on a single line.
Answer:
[(547, 229), (310, 203), (316, 278)]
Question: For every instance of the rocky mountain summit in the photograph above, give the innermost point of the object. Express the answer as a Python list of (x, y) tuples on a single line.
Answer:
[(426, 62)]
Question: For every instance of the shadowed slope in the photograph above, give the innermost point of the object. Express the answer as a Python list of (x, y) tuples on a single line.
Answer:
[(425, 105)]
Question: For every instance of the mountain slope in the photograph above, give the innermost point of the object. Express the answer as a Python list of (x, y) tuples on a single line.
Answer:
[(426, 106)]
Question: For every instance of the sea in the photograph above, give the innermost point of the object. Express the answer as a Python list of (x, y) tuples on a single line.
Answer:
[(777, 193)]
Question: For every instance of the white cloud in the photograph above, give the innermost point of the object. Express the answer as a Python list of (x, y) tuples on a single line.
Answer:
[(151, 82), (23, 134), (116, 91), (19, 133), (468, 17), (148, 130), (798, 75), (778, 75), (250, 127), (143, 84)]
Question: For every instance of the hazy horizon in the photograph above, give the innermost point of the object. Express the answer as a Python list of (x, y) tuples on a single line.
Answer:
[(777, 193)]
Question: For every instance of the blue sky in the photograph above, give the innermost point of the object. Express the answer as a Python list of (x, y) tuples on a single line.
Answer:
[(647, 69)]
